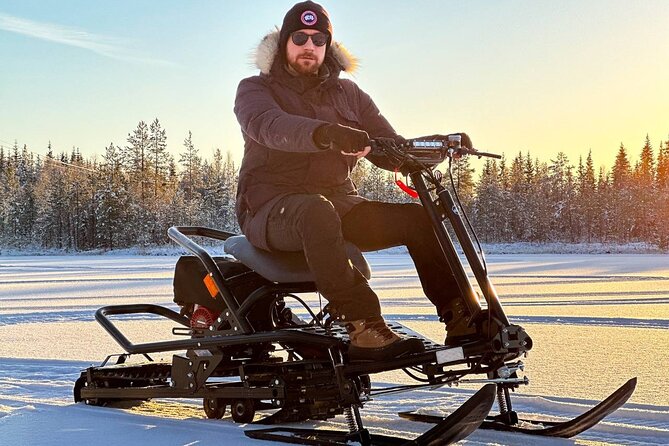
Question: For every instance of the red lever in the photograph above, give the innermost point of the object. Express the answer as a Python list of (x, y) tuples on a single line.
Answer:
[(408, 190)]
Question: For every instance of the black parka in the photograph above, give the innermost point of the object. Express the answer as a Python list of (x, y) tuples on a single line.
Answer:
[(278, 113)]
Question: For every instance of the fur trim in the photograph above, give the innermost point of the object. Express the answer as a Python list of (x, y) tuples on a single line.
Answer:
[(268, 48)]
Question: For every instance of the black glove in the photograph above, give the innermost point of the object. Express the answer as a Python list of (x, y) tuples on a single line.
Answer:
[(340, 137)]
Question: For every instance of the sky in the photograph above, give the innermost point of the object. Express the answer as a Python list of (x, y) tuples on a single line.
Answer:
[(538, 76)]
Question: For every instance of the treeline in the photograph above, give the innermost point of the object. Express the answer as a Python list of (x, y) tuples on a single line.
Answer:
[(529, 200), (136, 191), (130, 197)]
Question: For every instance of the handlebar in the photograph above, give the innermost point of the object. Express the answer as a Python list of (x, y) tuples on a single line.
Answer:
[(422, 153)]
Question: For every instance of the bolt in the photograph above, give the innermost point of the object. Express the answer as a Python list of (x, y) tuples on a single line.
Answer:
[(190, 385), (190, 374), (211, 328), (506, 344), (190, 363), (505, 331), (276, 381), (235, 328), (219, 320), (227, 313)]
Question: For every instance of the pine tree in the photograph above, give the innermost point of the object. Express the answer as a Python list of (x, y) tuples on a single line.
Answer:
[(190, 179), (463, 179), (622, 209), (489, 213), (662, 177), (661, 203), (518, 219), (622, 170), (3, 181), (644, 173), (541, 206), (112, 202), (643, 194), (136, 157), (159, 157), (585, 200)]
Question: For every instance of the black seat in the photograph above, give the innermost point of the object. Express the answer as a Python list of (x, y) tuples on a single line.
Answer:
[(284, 267)]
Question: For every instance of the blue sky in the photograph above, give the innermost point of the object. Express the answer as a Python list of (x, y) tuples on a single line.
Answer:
[(542, 76)]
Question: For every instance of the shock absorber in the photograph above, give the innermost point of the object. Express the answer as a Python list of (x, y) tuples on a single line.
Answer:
[(350, 420), (501, 400), (506, 413)]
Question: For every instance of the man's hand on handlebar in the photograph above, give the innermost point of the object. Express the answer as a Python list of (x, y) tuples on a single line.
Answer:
[(347, 140)]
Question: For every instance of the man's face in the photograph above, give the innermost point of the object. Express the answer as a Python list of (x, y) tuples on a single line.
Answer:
[(308, 58)]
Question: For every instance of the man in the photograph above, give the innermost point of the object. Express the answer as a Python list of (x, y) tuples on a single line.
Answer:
[(304, 130)]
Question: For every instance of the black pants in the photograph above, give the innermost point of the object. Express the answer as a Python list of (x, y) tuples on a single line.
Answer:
[(311, 224)]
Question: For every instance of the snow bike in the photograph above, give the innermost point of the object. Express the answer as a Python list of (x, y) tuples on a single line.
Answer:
[(239, 344)]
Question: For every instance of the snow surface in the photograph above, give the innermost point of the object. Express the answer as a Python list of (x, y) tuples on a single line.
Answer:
[(596, 321)]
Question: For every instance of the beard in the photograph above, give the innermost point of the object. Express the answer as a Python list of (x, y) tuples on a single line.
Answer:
[(305, 64)]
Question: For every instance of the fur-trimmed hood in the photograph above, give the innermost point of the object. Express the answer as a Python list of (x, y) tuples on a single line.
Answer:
[(268, 50)]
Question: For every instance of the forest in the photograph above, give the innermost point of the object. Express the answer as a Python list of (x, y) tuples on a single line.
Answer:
[(137, 190)]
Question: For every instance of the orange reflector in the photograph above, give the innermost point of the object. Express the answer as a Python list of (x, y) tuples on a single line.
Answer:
[(211, 285)]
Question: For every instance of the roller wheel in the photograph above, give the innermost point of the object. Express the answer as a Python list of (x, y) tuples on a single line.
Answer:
[(214, 408), (242, 410), (78, 385)]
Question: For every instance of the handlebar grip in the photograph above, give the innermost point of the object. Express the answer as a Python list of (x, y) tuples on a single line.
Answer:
[(465, 151)]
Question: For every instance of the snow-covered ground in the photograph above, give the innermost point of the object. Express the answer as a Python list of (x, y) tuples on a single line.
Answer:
[(596, 321)]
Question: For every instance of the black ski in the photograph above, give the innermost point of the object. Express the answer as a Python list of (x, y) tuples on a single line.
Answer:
[(458, 425), (562, 429)]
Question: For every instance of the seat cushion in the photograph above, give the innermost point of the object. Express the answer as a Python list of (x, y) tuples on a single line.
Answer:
[(284, 267)]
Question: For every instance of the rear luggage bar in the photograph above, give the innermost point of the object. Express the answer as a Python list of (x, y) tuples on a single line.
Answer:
[(207, 342)]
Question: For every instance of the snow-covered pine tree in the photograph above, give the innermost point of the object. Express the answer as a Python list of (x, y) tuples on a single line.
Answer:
[(561, 182), (3, 194), (159, 157), (643, 194), (517, 189), (621, 217), (540, 206), (585, 201), (138, 166), (22, 210), (463, 178), (112, 202), (230, 178), (662, 187), (191, 179), (488, 210)]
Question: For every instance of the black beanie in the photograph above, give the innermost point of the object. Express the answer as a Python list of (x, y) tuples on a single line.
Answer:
[(304, 15)]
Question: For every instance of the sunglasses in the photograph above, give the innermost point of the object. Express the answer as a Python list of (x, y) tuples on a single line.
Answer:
[(299, 38)]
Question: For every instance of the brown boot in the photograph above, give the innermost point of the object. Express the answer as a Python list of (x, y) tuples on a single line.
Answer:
[(458, 329), (371, 339)]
